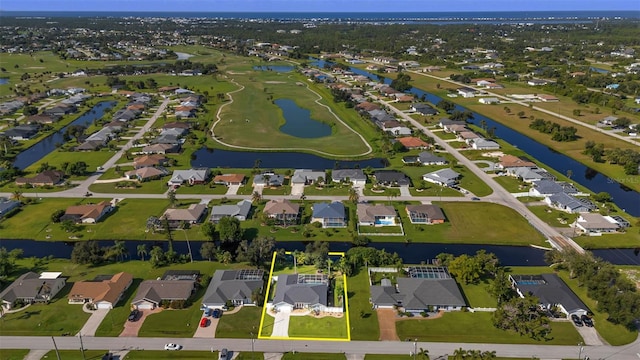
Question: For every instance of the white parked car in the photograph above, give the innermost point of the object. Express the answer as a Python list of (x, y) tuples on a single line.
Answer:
[(172, 347)]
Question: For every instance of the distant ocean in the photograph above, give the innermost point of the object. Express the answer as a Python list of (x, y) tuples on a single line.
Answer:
[(405, 17)]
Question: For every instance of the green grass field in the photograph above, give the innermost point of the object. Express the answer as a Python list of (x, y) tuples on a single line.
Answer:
[(241, 324), (170, 355), (13, 354), (363, 320), (477, 328), (76, 354), (313, 356), (310, 327)]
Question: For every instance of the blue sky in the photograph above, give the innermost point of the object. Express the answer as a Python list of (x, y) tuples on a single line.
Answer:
[(316, 5)]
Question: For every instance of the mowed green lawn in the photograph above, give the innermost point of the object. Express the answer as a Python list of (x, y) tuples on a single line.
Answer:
[(13, 354), (487, 223), (76, 354), (363, 320), (170, 355), (262, 130), (312, 356), (240, 325), (477, 328), (311, 327)]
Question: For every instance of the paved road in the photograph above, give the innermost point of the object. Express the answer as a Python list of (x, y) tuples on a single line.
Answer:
[(626, 352), (527, 104)]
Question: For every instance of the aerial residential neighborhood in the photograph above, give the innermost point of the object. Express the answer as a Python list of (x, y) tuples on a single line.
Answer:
[(289, 183)]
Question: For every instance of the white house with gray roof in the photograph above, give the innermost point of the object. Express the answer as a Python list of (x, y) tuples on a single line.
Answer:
[(551, 291), (443, 177), (236, 286), (568, 203), (307, 177), (191, 177), (301, 291), (239, 211), (330, 215), (355, 176), (31, 287)]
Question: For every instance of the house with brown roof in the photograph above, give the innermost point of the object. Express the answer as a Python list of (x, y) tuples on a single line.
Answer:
[(146, 173), (104, 291), (152, 293), (411, 142), (161, 149), (88, 213), (282, 210), (229, 179), (376, 215), (511, 161), (194, 214), (45, 178), (425, 214), (149, 160)]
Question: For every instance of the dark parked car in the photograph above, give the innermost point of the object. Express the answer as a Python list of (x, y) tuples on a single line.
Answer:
[(134, 315), (217, 313), (576, 320), (208, 312), (587, 320), (223, 355)]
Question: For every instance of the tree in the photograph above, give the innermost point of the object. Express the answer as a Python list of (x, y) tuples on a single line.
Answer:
[(119, 250), (29, 110), (142, 251), (208, 229), (229, 230), (466, 269), (87, 252), (500, 287), (602, 197), (576, 112), (256, 197), (57, 215), (354, 196), (446, 105), (256, 252), (226, 258), (208, 250), (520, 114), (8, 261), (171, 196), (522, 316), (157, 257)]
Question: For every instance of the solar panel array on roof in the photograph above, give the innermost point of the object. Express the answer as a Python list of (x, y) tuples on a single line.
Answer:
[(249, 274), (428, 272), (312, 279)]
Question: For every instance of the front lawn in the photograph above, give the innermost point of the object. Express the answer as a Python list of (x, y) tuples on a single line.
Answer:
[(241, 324), (478, 328), (55, 319), (113, 323), (311, 327), (169, 355), (477, 295), (313, 356), (75, 354)]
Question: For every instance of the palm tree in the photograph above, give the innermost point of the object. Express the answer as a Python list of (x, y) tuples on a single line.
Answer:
[(423, 354), (120, 250), (256, 197), (17, 195), (142, 251), (354, 196), (171, 196), (226, 258)]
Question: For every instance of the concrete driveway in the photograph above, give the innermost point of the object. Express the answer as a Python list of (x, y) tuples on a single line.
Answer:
[(232, 189), (208, 331), (590, 335), (297, 189), (90, 327), (404, 191), (281, 324)]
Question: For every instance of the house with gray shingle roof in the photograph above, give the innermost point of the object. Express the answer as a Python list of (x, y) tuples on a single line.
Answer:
[(239, 211), (151, 293), (355, 176), (330, 215), (418, 293), (551, 291), (444, 177), (30, 287), (297, 291), (7, 205), (568, 203), (376, 215), (237, 286), (307, 177), (191, 176)]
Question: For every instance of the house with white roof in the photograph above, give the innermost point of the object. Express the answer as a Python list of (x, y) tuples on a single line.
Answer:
[(443, 177)]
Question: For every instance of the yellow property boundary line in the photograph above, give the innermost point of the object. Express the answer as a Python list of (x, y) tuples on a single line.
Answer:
[(266, 300)]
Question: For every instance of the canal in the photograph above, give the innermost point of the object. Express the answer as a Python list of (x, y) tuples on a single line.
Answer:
[(48, 144), (412, 253), (623, 196)]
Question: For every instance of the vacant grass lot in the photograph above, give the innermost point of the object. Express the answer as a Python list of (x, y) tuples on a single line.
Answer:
[(255, 104), (363, 320), (477, 328), (326, 327), (76, 354), (241, 324)]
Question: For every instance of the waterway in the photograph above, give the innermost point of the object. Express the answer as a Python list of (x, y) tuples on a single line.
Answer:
[(623, 196), (298, 121), (183, 56), (48, 144), (413, 253), (276, 68), (215, 158), (4, 81)]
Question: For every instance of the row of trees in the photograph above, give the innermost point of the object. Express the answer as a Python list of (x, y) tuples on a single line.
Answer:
[(629, 159), (558, 133)]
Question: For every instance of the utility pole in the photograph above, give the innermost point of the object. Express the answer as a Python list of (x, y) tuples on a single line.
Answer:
[(253, 340), (81, 347), (580, 348), (415, 349), (55, 347)]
